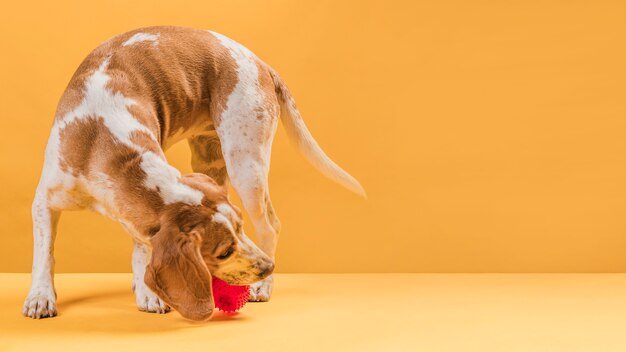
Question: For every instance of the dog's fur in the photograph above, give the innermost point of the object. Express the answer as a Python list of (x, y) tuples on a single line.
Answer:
[(133, 97)]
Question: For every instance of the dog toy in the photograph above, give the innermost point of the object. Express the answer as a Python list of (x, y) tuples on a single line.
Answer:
[(229, 298)]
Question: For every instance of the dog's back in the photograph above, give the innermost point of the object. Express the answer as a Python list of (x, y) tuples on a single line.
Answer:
[(171, 81)]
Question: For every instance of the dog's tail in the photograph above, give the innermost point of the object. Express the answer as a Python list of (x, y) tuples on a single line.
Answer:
[(299, 134)]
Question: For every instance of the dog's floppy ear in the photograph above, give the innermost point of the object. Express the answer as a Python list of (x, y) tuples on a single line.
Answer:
[(177, 273)]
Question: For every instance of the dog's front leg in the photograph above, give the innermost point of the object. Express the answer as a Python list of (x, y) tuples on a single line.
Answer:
[(41, 299), (146, 300)]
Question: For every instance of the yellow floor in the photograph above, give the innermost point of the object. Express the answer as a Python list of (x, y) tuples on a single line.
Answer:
[(338, 312)]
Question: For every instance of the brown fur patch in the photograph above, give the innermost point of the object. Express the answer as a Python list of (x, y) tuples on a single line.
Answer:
[(206, 148), (146, 141), (79, 143), (213, 192), (219, 174), (228, 77), (207, 158), (266, 83)]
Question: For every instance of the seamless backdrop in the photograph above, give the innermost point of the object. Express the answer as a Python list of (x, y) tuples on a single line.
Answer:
[(489, 135)]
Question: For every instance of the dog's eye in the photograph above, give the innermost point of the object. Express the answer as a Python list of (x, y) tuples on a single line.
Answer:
[(226, 254)]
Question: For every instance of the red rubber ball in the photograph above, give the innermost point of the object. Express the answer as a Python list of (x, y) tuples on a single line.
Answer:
[(229, 298)]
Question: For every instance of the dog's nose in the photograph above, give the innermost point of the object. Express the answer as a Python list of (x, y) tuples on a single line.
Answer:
[(267, 271)]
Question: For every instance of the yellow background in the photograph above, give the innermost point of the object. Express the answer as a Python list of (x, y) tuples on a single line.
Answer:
[(490, 136)]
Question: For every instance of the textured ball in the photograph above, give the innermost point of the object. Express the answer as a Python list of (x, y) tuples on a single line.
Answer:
[(229, 298)]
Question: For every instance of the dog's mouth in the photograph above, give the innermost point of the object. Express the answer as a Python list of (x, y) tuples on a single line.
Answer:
[(246, 277)]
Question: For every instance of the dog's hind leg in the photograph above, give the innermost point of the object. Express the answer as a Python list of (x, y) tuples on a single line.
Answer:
[(41, 300), (206, 157), (246, 142)]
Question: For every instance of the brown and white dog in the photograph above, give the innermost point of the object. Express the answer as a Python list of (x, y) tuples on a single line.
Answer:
[(132, 98)]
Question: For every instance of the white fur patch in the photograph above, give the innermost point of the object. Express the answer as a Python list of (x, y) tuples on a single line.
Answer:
[(112, 107), (246, 96), (164, 178), (142, 37), (227, 210), (222, 219)]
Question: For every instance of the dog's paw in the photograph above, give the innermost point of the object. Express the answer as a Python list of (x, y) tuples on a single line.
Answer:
[(147, 301), (40, 304), (262, 290)]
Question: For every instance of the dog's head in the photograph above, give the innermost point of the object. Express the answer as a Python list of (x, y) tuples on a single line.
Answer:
[(197, 241)]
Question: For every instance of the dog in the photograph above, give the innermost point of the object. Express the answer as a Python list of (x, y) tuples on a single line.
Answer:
[(133, 97)]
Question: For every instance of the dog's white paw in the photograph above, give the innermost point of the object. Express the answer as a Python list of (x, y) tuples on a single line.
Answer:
[(147, 301), (40, 304), (262, 290)]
